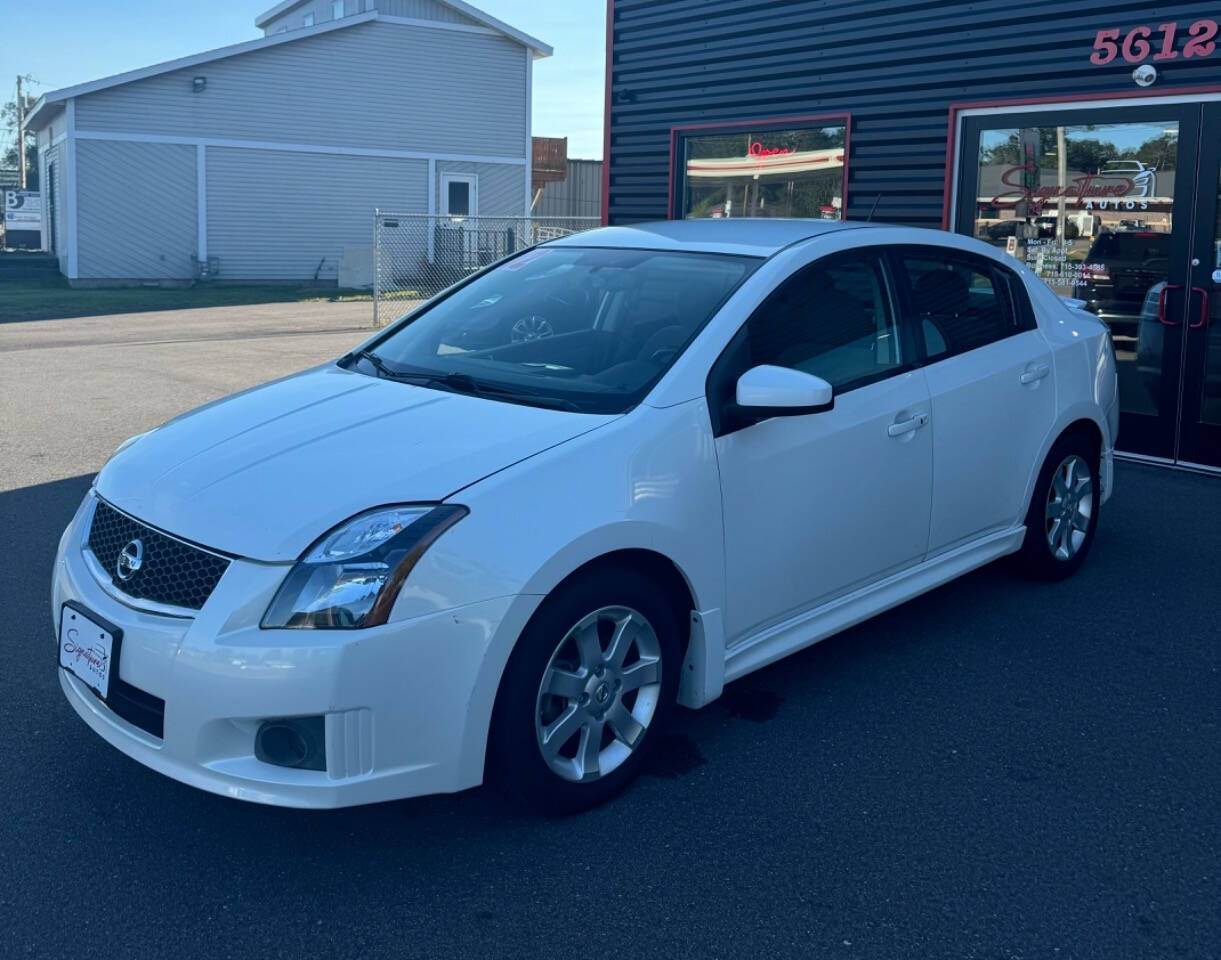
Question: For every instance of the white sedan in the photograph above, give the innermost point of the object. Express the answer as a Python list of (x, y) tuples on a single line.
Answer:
[(506, 535)]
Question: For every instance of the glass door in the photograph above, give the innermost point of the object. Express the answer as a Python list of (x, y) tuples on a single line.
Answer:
[(1100, 203), (1200, 417)]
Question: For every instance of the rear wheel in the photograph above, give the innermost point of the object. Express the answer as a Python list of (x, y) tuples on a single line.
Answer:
[(593, 676), (1063, 515)]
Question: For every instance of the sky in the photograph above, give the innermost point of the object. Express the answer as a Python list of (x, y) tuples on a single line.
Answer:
[(64, 42)]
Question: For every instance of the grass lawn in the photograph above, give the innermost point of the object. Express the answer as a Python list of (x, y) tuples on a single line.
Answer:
[(53, 299)]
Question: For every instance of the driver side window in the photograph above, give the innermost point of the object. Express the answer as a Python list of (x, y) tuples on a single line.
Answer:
[(833, 319)]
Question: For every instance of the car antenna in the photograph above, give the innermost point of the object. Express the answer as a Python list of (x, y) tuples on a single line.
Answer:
[(873, 209)]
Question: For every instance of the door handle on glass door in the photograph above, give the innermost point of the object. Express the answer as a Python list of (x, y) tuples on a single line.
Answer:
[(1037, 372), (1203, 321), (904, 427)]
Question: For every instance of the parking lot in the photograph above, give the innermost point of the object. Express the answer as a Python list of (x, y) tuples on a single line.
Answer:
[(999, 769)]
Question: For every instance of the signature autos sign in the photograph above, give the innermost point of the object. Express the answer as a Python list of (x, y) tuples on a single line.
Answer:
[(1127, 185), (22, 210)]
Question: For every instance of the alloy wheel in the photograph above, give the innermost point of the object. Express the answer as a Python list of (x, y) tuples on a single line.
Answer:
[(1070, 506), (598, 694)]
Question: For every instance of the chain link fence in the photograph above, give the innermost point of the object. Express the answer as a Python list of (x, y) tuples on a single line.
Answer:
[(416, 256)]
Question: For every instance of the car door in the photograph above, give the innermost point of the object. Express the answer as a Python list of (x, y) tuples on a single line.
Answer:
[(817, 505), (991, 379)]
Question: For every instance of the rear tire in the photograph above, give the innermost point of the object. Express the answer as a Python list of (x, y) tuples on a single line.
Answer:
[(1064, 508), (593, 677)]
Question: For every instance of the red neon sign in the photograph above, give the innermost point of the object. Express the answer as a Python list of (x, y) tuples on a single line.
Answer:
[(760, 152)]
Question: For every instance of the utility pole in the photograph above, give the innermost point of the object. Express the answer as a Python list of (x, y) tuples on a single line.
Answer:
[(20, 135)]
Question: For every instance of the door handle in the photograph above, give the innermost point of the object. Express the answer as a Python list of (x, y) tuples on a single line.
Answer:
[(904, 427), (1037, 372), (1161, 304), (1203, 321)]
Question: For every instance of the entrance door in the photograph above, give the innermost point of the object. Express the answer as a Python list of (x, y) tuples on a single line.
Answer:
[(1200, 415), (1106, 205)]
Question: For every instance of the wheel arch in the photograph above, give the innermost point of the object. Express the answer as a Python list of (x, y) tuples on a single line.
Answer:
[(1083, 419)]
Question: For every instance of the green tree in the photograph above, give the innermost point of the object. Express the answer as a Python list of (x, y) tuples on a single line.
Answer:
[(8, 114)]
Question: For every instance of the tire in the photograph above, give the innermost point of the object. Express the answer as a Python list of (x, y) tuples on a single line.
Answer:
[(566, 773), (1063, 515)]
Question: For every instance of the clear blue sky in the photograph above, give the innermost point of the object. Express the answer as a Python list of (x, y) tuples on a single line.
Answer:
[(62, 42)]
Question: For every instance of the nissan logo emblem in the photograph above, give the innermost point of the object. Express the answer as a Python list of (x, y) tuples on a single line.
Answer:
[(131, 557)]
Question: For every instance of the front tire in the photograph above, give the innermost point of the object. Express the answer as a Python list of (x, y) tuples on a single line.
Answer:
[(1063, 514), (593, 677)]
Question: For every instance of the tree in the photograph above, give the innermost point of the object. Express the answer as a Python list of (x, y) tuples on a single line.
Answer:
[(8, 113)]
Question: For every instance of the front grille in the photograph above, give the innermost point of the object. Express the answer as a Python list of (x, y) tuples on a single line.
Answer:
[(171, 571)]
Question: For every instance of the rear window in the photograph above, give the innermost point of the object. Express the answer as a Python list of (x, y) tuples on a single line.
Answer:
[(1131, 246)]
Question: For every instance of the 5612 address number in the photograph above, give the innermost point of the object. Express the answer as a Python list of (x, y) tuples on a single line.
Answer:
[(1139, 43)]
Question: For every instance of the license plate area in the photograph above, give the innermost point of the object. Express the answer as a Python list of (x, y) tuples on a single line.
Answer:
[(89, 648)]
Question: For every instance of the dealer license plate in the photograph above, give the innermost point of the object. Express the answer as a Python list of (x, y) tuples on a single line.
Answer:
[(87, 648)]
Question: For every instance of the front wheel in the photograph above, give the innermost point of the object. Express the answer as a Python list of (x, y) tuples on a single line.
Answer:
[(1063, 515), (593, 676)]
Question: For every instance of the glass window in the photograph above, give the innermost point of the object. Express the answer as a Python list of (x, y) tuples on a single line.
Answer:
[(831, 319), (960, 302), (579, 328), (458, 198), (1089, 208), (308, 20), (336, 9), (795, 172)]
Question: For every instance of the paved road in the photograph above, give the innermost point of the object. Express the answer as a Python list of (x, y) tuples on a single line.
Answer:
[(996, 770)]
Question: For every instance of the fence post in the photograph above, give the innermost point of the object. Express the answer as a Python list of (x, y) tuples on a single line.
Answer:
[(377, 264)]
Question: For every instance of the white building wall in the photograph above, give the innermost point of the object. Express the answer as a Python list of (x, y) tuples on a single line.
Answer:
[(135, 216), (294, 19), (371, 85), (280, 215), (501, 187)]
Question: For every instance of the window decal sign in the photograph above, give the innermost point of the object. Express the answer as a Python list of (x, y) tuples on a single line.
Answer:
[(1166, 41), (1128, 188)]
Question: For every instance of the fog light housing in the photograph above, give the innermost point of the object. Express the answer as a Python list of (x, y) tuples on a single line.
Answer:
[(298, 742)]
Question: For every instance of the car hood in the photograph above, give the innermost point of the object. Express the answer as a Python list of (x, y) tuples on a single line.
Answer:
[(264, 473)]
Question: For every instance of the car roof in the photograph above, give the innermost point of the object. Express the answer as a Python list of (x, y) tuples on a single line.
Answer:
[(744, 236)]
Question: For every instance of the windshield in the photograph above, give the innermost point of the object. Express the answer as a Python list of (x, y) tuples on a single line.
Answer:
[(576, 328)]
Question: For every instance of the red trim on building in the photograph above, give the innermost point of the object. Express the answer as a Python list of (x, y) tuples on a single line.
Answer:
[(778, 122), (606, 112), (951, 142)]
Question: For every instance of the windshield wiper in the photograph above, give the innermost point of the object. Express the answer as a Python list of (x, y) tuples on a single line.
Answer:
[(465, 383), (378, 363)]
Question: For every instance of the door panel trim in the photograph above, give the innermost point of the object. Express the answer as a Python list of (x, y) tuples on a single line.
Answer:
[(771, 644)]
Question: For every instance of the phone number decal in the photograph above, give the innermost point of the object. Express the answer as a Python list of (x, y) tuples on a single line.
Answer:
[(1158, 43)]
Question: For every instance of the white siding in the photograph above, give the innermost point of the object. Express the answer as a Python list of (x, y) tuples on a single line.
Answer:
[(321, 9), (135, 210), (416, 9), (380, 85), (423, 10), (281, 215), (502, 188)]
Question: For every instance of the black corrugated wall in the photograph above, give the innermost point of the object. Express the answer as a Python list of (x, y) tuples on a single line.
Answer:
[(895, 65)]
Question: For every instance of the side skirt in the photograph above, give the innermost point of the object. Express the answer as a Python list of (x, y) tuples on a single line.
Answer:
[(808, 628)]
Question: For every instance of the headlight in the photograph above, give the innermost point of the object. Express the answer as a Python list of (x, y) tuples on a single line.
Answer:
[(351, 577)]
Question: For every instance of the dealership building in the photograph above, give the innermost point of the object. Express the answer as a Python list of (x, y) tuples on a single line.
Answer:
[(1083, 138), (265, 160)]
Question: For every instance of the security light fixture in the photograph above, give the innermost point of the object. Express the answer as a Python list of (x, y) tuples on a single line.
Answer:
[(198, 84)]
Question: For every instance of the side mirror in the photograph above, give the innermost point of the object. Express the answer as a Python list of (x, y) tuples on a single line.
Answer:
[(769, 391)]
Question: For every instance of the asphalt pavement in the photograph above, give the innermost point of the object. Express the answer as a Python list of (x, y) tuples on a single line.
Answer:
[(999, 769)]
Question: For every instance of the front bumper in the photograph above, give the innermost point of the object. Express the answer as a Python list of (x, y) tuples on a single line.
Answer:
[(406, 705)]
